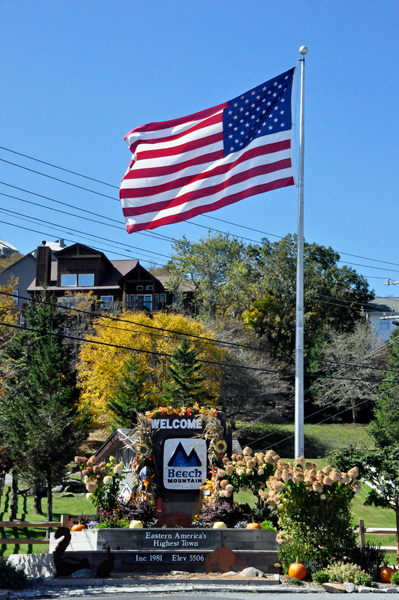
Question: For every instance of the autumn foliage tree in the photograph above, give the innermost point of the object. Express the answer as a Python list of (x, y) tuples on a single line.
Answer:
[(155, 339)]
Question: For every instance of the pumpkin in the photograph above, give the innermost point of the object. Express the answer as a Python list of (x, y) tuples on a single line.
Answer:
[(136, 525), (297, 570), (253, 526), (385, 574), (78, 527), (219, 525)]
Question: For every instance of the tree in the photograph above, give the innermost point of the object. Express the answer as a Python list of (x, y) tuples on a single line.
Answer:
[(215, 269), (186, 386), (333, 295), (8, 312), (130, 395), (101, 365), (9, 260), (38, 419), (380, 468), (247, 393), (385, 427), (344, 383)]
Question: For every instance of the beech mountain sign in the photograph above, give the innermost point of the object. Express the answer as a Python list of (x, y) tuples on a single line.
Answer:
[(184, 463)]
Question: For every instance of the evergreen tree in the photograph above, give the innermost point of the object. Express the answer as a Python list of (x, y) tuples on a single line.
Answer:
[(38, 419), (385, 427), (187, 382), (130, 395)]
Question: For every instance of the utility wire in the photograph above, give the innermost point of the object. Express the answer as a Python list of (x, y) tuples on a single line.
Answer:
[(119, 320), (83, 210), (70, 229), (197, 224)]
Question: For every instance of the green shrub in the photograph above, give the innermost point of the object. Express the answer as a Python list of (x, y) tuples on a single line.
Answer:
[(395, 577), (11, 577), (320, 577), (314, 513), (340, 572), (363, 579), (296, 581), (266, 524)]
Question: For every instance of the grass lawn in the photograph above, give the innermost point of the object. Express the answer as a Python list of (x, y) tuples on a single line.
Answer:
[(319, 439), (73, 507)]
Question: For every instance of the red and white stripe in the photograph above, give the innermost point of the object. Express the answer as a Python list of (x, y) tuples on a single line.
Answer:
[(179, 169)]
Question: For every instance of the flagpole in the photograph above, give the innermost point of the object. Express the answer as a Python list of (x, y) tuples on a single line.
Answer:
[(299, 377)]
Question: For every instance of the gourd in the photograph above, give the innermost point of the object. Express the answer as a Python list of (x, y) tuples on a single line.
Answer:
[(385, 574), (253, 526), (136, 525), (219, 525), (78, 527), (297, 570)]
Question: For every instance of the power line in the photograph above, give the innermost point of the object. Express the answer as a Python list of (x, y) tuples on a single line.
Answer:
[(68, 239), (119, 320), (140, 350), (197, 224), (70, 229), (83, 210)]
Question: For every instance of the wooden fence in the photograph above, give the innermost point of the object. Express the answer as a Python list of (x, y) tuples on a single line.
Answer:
[(33, 524), (362, 530)]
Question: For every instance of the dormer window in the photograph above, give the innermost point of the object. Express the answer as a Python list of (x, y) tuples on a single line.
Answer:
[(86, 280), (69, 280), (81, 280)]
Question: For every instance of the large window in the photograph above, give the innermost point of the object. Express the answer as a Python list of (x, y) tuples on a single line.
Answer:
[(86, 279), (69, 280), (145, 300), (106, 302), (15, 295), (81, 280)]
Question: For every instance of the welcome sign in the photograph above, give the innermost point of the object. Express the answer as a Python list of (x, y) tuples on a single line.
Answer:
[(181, 454)]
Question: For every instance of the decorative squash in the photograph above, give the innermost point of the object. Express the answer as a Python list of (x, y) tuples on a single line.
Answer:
[(219, 525), (297, 570), (253, 526), (78, 527), (136, 525), (385, 574)]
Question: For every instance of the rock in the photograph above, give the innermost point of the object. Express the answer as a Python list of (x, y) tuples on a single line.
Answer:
[(179, 573), (58, 489), (350, 587), (334, 588), (365, 590), (82, 574), (251, 572), (229, 574), (222, 560), (67, 488), (67, 495), (391, 590)]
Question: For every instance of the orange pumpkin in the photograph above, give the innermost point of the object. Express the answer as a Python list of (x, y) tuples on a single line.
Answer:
[(385, 574), (253, 526), (78, 527), (297, 570)]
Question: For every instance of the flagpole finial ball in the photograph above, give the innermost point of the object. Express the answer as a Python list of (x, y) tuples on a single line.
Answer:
[(303, 50)]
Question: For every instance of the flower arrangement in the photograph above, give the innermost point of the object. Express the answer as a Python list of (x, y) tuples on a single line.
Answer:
[(241, 472), (183, 412), (102, 481), (313, 508)]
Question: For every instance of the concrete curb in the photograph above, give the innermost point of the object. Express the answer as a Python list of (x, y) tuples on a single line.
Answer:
[(204, 583)]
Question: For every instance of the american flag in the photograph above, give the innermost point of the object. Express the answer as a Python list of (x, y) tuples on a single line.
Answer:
[(199, 163)]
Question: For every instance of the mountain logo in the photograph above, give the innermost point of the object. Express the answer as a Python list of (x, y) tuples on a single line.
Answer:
[(184, 463), (180, 458)]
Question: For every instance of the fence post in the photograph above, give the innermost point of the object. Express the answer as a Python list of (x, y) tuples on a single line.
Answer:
[(362, 540), (64, 520)]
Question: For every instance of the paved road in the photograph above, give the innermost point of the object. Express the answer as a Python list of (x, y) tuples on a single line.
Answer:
[(227, 596)]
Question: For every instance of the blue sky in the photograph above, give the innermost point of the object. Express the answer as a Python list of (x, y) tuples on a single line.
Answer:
[(77, 76)]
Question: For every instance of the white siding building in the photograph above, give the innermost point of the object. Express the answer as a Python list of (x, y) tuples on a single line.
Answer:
[(383, 307)]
